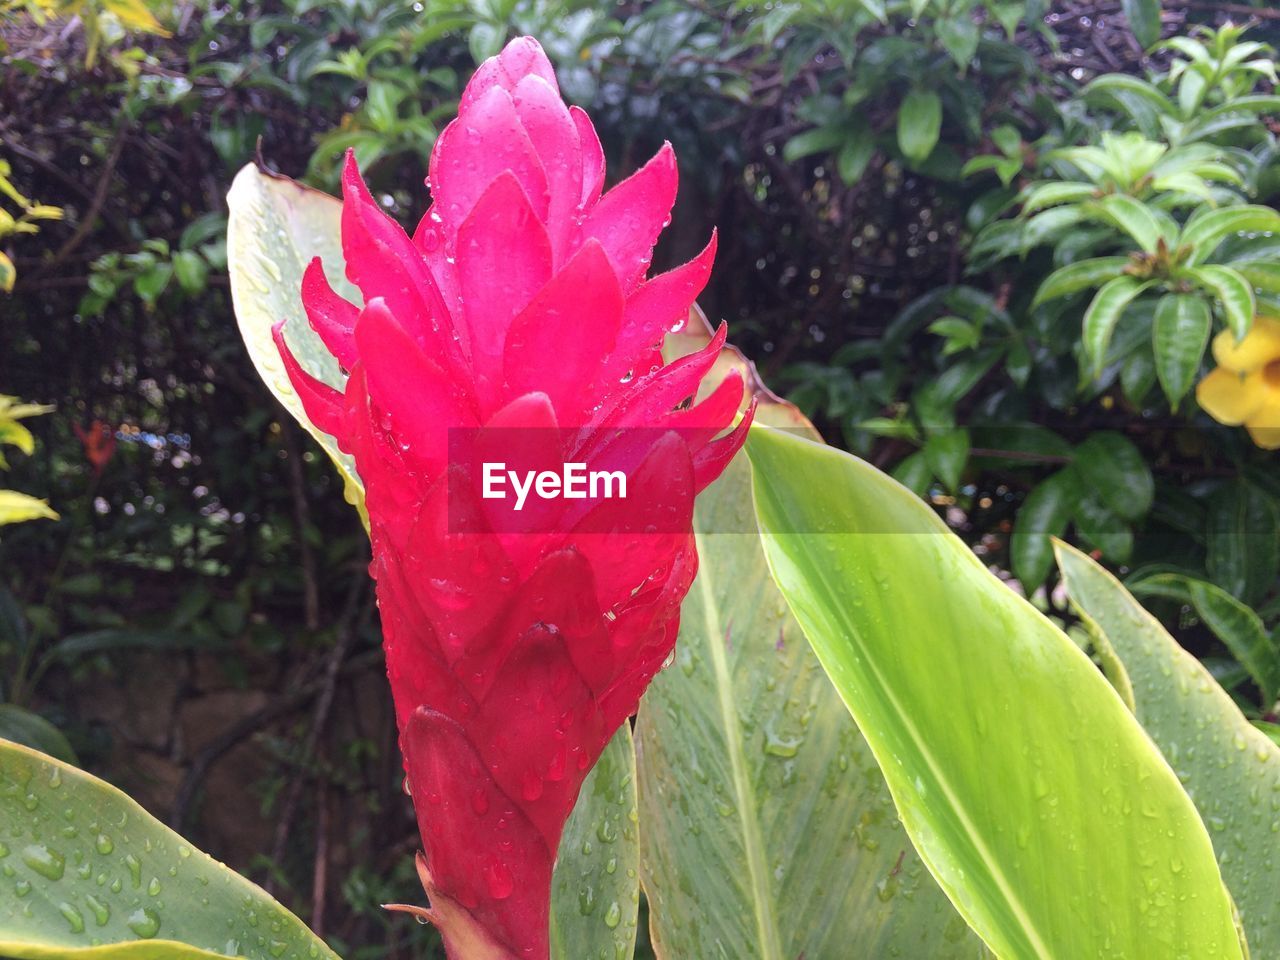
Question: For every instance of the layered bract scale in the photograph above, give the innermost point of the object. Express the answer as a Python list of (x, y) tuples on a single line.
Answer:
[(520, 315)]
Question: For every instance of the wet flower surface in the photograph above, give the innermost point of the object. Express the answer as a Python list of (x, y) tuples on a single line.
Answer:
[(518, 324)]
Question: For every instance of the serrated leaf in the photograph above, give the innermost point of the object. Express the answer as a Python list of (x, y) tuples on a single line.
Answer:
[(1178, 338)]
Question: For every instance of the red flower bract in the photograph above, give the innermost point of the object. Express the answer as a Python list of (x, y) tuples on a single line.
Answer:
[(519, 315)]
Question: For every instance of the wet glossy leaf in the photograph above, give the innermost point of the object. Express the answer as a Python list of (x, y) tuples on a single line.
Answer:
[(1104, 313), (1082, 275), (595, 892), (85, 866), (1178, 338), (767, 828), (1030, 790), (275, 228), (1230, 769)]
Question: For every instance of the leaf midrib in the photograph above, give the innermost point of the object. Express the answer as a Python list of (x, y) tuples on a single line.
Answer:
[(752, 841)]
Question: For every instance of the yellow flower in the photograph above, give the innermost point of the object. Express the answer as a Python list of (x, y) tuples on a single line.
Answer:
[(1245, 388)]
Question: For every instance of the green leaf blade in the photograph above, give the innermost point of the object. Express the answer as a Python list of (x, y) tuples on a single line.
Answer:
[(1178, 338), (919, 124), (962, 700), (158, 896), (1221, 759)]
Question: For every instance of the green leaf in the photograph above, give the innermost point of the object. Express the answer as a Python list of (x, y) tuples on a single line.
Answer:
[(1242, 540), (1116, 472), (32, 730), (913, 472), (1261, 274), (1104, 313), (1243, 633), (86, 865), (1229, 768), (1052, 194), (1144, 20), (1082, 275), (1178, 338), (854, 155), (1234, 293), (1131, 216), (1027, 786), (1102, 528), (1138, 376), (1044, 514), (191, 271), (817, 140), (275, 228), (1205, 230), (755, 784), (959, 35), (595, 890), (947, 452), (919, 124)]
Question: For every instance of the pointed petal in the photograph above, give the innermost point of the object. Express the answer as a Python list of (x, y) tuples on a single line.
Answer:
[(656, 308), (522, 57), (507, 260), (538, 718), (557, 342), (485, 140), (418, 399), (331, 317), (554, 137), (482, 851), (710, 461), (592, 156), (322, 403), (660, 392), (628, 218), (383, 262)]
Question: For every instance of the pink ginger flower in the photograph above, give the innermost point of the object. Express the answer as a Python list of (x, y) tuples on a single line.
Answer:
[(520, 321)]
